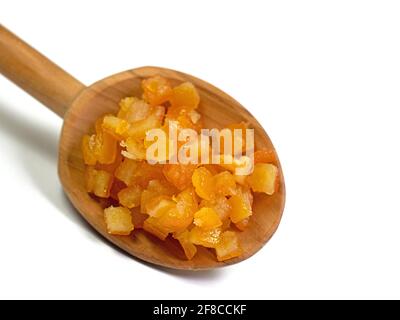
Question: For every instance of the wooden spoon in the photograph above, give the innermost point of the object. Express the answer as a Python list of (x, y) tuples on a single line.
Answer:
[(80, 106)]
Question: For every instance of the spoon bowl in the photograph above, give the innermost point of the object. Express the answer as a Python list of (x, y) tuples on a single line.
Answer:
[(81, 106)]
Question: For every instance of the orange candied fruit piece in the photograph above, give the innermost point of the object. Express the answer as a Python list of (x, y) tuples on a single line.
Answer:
[(241, 204), (221, 206), (264, 178), (224, 183), (133, 109), (135, 149), (186, 202), (89, 149), (101, 147), (174, 215), (152, 226), (181, 215), (265, 156), (208, 186), (207, 218), (139, 128), (185, 95), (228, 246), (179, 175), (203, 183), (160, 205), (138, 172), (188, 247), (108, 149), (154, 189), (206, 238), (115, 126), (130, 196), (174, 220), (98, 182), (148, 172), (111, 167), (186, 119), (156, 90), (126, 171), (118, 220)]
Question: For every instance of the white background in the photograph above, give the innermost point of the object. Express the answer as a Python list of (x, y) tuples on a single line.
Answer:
[(323, 77)]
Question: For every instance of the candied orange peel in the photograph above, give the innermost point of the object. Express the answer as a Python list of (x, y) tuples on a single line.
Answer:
[(204, 205)]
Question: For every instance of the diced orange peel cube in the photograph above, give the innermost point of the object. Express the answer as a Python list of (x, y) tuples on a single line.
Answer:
[(174, 214), (89, 149), (206, 238), (152, 226), (185, 95), (98, 182), (138, 172), (125, 106), (174, 220), (265, 156), (133, 109), (264, 178), (130, 196), (190, 119), (221, 206), (188, 247), (118, 221), (186, 201), (115, 126), (154, 189), (161, 187), (224, 183), (107, 153), (148, 172), (127, 171), (156, 90), (208, 186), (135, 149), (110, 167), (202, 180), (207, 218), (179, 175), (101, 147), (228, 247), (139, 128), (181, 217), (159, 206), (241, 206)]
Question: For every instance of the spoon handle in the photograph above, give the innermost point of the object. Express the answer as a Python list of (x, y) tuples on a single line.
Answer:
[(36, 74)]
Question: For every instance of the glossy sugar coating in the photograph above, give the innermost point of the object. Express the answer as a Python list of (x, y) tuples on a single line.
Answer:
[(197, 205)]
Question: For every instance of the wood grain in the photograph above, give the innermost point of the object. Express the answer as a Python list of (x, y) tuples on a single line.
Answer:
[(36, 74)]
